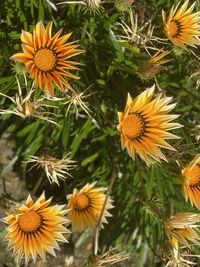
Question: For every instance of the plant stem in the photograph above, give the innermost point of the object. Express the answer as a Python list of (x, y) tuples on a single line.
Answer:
[(97, 228), (37, 185)]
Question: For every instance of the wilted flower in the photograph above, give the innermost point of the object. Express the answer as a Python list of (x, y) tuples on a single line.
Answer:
[(55, 169), (85, 206), (154, 65), (142, 36), (191, 181), (145, 124), (177, 259), (46, 57), (28, 106), (109, 258), (36, 229), (182, 26), (183, 228), (92, 6), (76, 100)]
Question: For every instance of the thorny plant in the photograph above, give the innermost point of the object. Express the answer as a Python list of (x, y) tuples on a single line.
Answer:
[(109, 258), (177, 259), (76, 100), (136, 35), (28, 106), (55, 168)]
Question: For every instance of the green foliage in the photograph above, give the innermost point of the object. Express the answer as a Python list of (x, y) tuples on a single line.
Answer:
[(112, 70)]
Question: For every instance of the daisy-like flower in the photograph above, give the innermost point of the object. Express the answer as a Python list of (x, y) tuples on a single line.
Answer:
[(183, 228), (85, 206), (145, 125), (155, 64), (55, 169), (36, 229), (182, 26), (46, 57), (28, 106), (191, 181)]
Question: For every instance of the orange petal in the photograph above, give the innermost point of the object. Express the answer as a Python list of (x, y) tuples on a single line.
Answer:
[(20, 57)]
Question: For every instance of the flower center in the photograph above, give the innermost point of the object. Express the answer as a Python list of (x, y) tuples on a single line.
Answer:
[(30, 221), (81, 202), (194, 176), (133, 126), (45, 59), (175, 28)]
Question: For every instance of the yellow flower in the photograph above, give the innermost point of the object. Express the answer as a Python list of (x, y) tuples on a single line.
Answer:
[(36, 228), (191, 181), (46, 57), (182, 228), (155, 64), (145, 123), (85, 207), (182, 26)]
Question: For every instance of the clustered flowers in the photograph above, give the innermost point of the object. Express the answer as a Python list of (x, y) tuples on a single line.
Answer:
[(144, 126)]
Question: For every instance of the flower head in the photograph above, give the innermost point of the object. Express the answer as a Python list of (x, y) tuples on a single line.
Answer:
[(92, 6), (174, 258), (77, 99), (182, 25), (136, 34), (55, 168), (155, 64), (36, 228), (182, 228), (29, 106), (191, 181), (145, 125), (110, 257), (46, 57), (85, 206)]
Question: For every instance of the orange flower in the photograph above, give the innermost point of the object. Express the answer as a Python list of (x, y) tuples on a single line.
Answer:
[(85, 206), (191, 181), (182, 26), (46, 57), (36, 229), (144, 125)]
